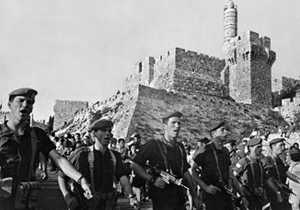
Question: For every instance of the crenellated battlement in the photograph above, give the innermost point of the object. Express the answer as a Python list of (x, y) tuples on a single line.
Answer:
[(249, 46), (202, 61), (180, 70)]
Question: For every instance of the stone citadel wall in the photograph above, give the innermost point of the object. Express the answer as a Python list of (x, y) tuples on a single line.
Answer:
[(237, 88), (182, 71), (65, 110)]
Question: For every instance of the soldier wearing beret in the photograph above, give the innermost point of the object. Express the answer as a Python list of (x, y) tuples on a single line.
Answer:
[(252, 176), (278, 172), (216, 178), (102, 167), (166, 154), (20, 146)]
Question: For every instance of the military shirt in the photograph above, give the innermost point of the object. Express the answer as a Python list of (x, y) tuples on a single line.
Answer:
[(275, 168), (104, 169), (177, 162), (207, 161), (251, 171), (16, 151)]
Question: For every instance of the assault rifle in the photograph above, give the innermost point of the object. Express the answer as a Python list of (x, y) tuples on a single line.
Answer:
[(251, 191), (283, 187), (168, 178)]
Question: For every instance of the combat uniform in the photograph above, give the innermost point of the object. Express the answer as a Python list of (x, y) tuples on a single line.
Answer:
[(176, 163), (276, 169), (251, 174), (106, 172), (15, 155), (209, 174)]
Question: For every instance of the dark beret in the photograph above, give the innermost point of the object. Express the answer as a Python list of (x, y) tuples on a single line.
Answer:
[(101, 124), (172, 114), (254, 141), (216, 125), (29, 92), (276, 140)]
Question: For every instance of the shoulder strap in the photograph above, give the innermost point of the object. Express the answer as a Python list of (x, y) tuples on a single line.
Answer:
[(33, 152), (91, 159), (163, 152), (113, 158), (218, 166), (249, 163), (182, 162)]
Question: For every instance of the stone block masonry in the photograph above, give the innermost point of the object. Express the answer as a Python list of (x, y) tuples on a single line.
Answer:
[(249, 60), (65, 110)]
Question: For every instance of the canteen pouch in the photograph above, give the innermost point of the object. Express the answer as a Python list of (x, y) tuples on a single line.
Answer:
[(33, 195), (22, 193), (27, 194), (6, 187)]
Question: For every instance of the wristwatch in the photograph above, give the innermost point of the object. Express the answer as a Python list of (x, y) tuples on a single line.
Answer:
[(131, 196), (79, 180), (151, 180)]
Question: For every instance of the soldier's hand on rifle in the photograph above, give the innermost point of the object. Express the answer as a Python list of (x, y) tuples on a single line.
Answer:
[(211, 189), (134, 202), (160, 183), (87, 188), (279, 197), (71, 202)]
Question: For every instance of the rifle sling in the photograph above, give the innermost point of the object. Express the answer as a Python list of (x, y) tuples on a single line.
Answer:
[(252, 170), (91, 160), (163, 152), (218, 167)]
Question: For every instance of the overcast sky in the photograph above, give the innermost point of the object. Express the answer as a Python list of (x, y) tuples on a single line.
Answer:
[(84, 50)]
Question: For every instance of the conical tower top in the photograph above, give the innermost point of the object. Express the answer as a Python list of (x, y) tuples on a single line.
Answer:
[(230, 4), (230, 21)]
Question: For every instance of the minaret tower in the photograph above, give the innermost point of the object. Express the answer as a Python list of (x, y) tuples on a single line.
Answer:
[(230, 21)]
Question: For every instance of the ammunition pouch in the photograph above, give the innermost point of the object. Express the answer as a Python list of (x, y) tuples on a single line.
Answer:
[(6, 187), (27, 195)]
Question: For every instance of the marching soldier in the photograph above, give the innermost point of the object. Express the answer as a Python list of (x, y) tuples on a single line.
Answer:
[(216, 174), (278, 172), (102, 167), (169, 156), (250, 172), (20, 146)]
